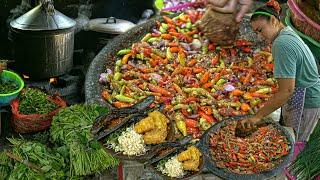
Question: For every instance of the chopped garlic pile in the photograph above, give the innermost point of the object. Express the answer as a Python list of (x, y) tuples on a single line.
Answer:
[(130, 143), (173, 168)]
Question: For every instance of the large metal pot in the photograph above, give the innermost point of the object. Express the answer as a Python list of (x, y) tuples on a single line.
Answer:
[(43, 41)]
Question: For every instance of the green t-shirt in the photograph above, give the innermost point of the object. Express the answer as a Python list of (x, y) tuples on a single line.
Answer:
[(293, 59)]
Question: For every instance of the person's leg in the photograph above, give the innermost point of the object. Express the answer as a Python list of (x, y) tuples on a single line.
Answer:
[(309, 121)]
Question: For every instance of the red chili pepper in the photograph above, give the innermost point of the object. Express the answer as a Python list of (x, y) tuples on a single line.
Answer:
[(197, 70), (147, 52), (191, 123), (205, 78), (166, 100), (185, 112), (194, 131), (246, 50), (154, 62), (206, 109), (242, 42), (158, 89), (209, 118), (155, 35), (215, 60), (212, 47), (233, 52), (168, 20), (223, 52), (191, 99)]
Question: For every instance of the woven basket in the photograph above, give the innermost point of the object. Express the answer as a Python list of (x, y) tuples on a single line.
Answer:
[(34, 122), (303, 23)]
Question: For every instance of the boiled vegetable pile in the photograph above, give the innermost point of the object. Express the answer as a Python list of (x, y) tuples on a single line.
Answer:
[(200, 82), (262, 151)]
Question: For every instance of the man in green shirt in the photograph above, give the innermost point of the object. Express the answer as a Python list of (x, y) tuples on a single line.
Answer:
[(296, 72)]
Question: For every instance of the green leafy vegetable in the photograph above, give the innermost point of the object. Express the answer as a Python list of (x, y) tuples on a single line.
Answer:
[(8, 86), (34, 101), (33, 160), (71, 128)]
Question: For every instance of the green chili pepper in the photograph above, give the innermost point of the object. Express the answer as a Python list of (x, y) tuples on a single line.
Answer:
[(123, 52), (255, 102), (180, 106), (250, 61), (182, 59), (118, 63), (153, 39), (182, 127), (140, 56), (198, 91), (221, 81), (162, 30), (146, 37), (169, 54), (164, 26), (264, 90), (124, 98), (204, 124), (159, 53), (117, 76), (189, 25), (271, 81), (205, 49), (222, 64)]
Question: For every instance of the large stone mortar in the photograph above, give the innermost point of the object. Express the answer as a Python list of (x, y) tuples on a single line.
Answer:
[(107, 56)]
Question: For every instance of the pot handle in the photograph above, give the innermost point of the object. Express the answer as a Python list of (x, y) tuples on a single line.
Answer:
[(47, 6), (111, 18)]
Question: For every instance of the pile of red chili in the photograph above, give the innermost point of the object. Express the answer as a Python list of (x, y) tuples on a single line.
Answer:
[(262, 151)]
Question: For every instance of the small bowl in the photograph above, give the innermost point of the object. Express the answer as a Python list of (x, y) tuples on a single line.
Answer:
[(148, 155), (5, 99), (189, 173)]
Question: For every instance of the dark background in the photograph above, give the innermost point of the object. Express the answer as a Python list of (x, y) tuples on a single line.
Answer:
[(124, 9)]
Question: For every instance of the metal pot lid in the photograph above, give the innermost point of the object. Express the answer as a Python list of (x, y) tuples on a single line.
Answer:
[(43, 17), (110, 25)]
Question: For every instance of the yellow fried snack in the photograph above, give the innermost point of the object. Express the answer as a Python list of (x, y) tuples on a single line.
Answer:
[(144, 125), (154, 137), (160, 119), (191, 165), (190, 159)]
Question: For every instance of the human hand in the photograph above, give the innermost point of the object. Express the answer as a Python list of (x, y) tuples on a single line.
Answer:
[(230, 6), (248, 123)]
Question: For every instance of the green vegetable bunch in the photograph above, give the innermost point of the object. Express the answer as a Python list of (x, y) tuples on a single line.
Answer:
[(34, 101), (306, 166), (71, 128), (6, 165), (33, 160)]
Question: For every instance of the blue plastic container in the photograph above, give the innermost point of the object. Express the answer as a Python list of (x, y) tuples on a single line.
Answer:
[(5, 99)]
